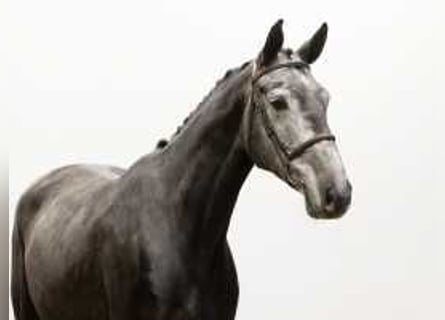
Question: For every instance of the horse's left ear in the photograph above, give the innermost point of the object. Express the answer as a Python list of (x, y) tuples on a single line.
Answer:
[(273, 44), (311, 49)]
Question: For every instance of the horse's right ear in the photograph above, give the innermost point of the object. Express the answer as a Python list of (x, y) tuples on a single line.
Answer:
[(273, 44)]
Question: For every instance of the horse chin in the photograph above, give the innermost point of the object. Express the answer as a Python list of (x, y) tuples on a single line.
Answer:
[(317, 213), (322, 215)]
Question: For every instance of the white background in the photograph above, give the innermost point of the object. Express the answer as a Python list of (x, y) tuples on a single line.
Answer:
[(101, 81)]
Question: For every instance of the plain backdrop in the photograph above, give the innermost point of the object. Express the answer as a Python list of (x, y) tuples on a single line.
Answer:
[(101, 81)]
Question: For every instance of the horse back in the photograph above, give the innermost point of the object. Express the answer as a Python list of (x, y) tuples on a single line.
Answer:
[(61, 189)]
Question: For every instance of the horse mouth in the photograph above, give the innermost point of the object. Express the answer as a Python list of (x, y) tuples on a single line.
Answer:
[(317, 207), (323, 211), (323, 214)]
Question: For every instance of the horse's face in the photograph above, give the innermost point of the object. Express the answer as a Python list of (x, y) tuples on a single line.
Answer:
[(286, 128)]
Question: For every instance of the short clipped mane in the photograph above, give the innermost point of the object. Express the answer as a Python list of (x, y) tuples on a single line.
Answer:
[(229, 73)]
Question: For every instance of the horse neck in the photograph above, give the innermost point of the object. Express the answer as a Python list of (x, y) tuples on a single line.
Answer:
[(208, 163), (198, 175)]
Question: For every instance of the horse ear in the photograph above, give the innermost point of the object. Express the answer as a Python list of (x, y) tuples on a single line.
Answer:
[(273, 44), (311, 49)]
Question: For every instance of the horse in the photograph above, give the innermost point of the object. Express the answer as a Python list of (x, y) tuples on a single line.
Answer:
[(150, 242)]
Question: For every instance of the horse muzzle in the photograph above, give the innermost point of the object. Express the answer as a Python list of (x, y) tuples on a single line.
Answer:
[(334, 202)]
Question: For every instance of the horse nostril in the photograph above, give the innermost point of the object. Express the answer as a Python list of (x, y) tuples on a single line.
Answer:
[(348, 187), (346, 198), (330, 199), (337, 201)]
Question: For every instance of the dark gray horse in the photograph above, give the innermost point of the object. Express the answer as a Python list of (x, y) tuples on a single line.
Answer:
[(97, 242)]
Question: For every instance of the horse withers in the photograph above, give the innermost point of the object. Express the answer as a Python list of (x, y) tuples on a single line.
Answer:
[(103, 243)]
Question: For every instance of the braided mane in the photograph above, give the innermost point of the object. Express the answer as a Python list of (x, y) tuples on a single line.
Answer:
[(164, 142)]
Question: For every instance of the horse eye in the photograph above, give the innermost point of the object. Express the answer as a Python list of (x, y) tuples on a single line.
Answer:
[(279, 104)]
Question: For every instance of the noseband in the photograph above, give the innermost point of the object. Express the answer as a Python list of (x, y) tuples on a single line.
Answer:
[(289, 152)]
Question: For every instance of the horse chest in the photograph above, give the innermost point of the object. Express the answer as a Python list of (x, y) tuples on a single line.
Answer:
[(188, 288)]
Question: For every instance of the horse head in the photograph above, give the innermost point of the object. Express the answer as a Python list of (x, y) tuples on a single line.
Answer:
[(285, 125)]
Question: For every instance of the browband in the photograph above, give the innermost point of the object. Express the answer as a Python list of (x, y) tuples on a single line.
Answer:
[(295, 64)]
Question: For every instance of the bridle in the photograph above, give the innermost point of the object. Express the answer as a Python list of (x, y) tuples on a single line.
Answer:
[(289, 153)]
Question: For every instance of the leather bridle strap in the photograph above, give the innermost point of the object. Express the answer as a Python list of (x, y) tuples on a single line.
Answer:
[(298, 151), (295, 64)]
